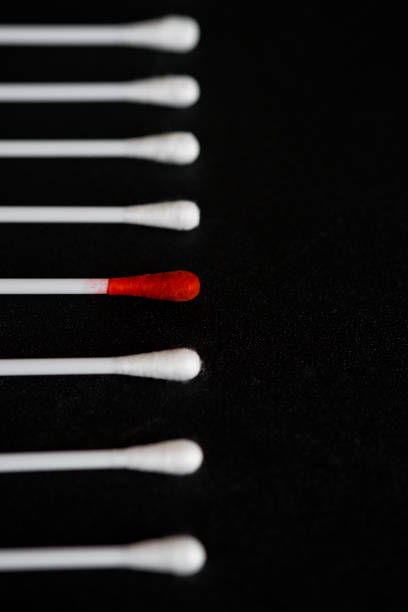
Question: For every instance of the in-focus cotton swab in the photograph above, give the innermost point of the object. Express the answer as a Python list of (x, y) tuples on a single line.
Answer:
[(176, 286), (178, 215), (180, 555), (172, 148), (177, 91), (176, 33), (175, 364), (177, 457)]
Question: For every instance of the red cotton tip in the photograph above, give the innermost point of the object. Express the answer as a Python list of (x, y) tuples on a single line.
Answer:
[(177, 286)]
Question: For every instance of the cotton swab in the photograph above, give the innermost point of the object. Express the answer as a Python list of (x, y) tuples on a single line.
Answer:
[(177, 91), (178, 215), (177, 457), (179, 555), (176, 364), (176, 286), (175, 33), (172, 148)]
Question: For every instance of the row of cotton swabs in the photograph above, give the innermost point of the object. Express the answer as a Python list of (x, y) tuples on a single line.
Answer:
[(182, 554)]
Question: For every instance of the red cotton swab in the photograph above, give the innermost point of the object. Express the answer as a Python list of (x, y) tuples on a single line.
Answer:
[(175, 286)]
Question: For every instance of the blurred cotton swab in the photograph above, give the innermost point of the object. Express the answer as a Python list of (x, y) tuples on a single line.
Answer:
[(177, 91), (176, 286), (179, 555), (178, 215), (177, 457), (176, 33), (172, 148), (175, 364)]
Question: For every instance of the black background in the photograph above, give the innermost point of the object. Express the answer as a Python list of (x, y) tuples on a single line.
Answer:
[(302, 321)]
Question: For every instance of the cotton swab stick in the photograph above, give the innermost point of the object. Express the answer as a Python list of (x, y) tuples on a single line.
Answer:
[(175, 364), (178, 215), (170, 33), (179, 555), (177, 457), (177, 91), (176, 286), (172, 148)]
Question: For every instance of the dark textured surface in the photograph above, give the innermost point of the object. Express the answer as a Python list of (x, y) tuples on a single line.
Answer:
[(302, 253)]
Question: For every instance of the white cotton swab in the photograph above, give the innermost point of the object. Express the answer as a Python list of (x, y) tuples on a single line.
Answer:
[(177, 364), (179, 555), (175, 33), (180, 215), (172, 148), (176, 457), (176, 91)]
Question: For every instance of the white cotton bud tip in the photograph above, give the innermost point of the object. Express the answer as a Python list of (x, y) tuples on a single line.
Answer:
[(179, 555), (175, 364), (175, 148), (182, 90), (179, 215), (177, 457), (181, 33), (185, 90), (178, 91), (172, 33)]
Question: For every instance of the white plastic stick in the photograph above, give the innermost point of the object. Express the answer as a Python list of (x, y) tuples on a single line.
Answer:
[(171, 148), (170, 33), (53, 286), (177, 457), (178, 91), (179, 555), (178, 215), (176, 364)]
